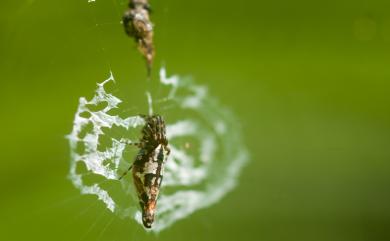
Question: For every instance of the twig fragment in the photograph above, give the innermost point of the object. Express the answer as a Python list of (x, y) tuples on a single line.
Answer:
[(137, 25)]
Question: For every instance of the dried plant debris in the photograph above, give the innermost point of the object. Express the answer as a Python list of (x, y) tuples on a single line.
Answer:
[(137, 25)]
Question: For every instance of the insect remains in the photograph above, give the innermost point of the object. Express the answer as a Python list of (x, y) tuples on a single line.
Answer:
[(137, 25), (148, 166)]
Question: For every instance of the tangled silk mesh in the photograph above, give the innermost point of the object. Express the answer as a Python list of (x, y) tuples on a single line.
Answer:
[(207, 153)]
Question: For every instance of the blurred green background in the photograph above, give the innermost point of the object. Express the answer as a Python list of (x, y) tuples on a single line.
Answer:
[(309, 81)]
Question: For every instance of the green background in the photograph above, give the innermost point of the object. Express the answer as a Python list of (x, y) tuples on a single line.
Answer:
[(309, 81)]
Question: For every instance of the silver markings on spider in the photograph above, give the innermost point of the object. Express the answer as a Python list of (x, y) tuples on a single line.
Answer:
[(148, 166)]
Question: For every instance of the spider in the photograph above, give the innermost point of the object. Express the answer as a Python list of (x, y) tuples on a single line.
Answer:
[(148, 166)]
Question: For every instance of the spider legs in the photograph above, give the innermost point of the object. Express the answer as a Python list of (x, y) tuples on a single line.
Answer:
[(131, 166)]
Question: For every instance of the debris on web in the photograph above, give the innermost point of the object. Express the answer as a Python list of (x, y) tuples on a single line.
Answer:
[(207, 152)]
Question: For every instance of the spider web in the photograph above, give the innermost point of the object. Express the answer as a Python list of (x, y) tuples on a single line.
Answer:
[(207, 152)]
